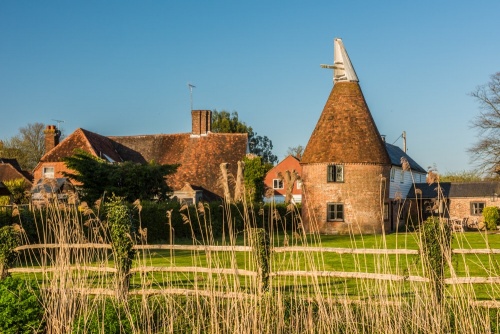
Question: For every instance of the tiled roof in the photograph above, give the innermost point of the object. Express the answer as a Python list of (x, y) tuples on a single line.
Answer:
[(395, 154), (457, 189), (199, 156), (8, 171), (346, 131), (88, 141)]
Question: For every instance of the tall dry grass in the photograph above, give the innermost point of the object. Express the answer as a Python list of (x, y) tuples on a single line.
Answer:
[(77, 286)]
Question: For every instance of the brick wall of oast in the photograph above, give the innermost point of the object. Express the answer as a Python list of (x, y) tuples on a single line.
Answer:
[(363, 193)]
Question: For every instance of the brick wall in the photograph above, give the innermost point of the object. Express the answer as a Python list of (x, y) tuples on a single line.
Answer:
[(363, 193), (59, 168), (457, 207)]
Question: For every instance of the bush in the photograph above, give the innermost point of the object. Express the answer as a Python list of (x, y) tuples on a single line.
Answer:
[(9, 239), (491, 215), (20, 309), (154, 218)]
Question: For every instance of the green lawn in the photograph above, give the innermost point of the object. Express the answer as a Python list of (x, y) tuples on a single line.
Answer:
[(469, 265)]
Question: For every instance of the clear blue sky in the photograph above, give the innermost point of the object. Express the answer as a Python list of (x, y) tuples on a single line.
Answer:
[(122, 67)]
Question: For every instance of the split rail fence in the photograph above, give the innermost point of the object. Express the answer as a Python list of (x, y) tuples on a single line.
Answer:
[(252, 273)]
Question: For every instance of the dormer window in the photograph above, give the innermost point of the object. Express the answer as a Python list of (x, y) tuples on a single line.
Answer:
[(335, 173)]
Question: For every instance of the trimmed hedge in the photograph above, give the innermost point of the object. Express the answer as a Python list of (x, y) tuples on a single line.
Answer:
[(210, 219)]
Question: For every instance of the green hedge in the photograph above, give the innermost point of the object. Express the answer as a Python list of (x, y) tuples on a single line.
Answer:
[(213, 217)]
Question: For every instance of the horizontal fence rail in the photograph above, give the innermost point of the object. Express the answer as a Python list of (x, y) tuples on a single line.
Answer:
[(250, 273), (368, 251)]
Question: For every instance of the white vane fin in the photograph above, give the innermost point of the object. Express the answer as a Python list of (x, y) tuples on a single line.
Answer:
[(342, 67)]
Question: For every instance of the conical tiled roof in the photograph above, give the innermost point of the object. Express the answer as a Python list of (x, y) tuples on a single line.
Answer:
[(346, 131)]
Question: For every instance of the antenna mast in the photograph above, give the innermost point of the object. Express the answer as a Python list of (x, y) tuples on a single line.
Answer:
[(59, 121), (190, 86)]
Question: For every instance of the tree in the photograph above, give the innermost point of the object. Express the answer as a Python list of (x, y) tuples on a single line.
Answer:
[(28, 146), (225, 122), (128, 179), (254, 174), (295, 151), (462, 176), (487, 150)]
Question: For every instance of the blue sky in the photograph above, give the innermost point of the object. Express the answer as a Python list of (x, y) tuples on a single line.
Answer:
[(122, 67)]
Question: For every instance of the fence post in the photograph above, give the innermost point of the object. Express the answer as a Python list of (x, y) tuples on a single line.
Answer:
[(436, 250), (120, 229), (259, 240)]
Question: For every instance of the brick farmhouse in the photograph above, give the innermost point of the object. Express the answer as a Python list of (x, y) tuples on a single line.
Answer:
[(199, 154)]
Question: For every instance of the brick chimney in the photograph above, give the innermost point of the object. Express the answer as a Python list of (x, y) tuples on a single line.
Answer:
[(201, 122), (52, 135)]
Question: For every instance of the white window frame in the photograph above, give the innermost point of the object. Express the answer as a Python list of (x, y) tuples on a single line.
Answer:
[(48, 175), (278, 184), (299, 184)]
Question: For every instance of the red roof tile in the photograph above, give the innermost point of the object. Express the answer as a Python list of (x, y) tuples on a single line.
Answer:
[(346, 131)]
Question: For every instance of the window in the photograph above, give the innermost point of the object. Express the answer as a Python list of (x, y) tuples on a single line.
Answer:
[(386, 211), (335, 212), (335, 173), (393, 174), (299, 184), (476, 208), (277, 184), (48, 172), (402, 176)]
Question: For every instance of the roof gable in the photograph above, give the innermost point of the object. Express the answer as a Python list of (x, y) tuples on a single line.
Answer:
[(88, 141)]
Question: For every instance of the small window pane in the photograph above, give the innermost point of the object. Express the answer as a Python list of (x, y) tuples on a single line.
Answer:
[(331, 173), (339, 173)]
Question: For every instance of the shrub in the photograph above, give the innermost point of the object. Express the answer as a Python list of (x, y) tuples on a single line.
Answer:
[(20, 309), (9, 239), (491, 216), (154, 218)]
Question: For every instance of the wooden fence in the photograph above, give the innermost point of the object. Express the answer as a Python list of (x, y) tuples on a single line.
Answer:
[(250, 273)]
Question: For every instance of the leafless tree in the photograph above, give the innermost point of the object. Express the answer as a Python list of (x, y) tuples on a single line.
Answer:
[(486, 151), (28, 146), (296, 151)]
